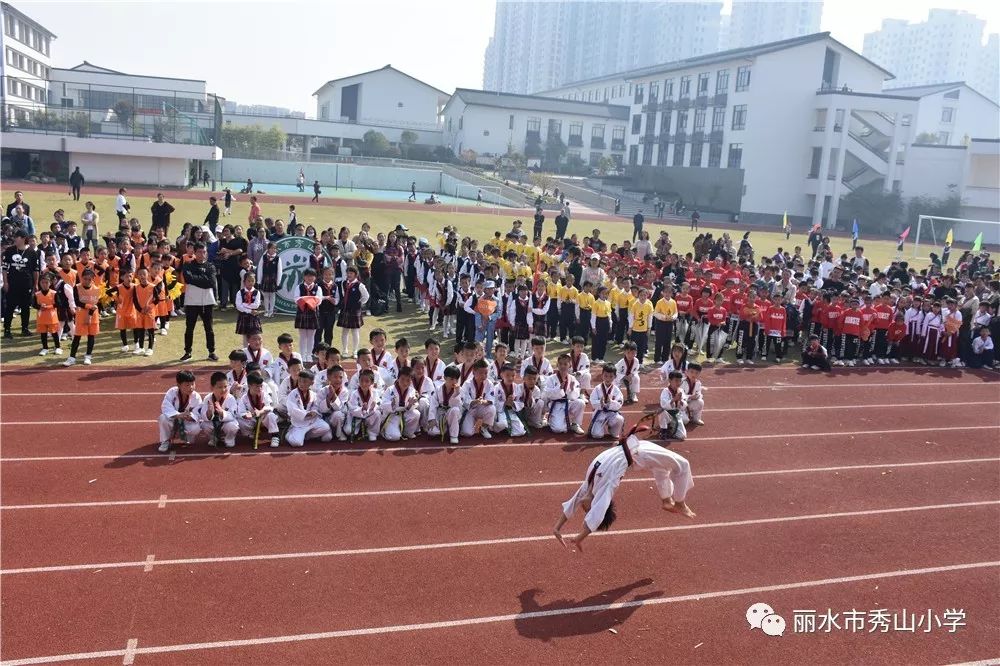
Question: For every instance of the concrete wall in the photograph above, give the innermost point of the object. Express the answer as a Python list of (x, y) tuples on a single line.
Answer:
[(332, 130), (118, 169), (974, 116), (711, 189), (930, 170), (331, 175)]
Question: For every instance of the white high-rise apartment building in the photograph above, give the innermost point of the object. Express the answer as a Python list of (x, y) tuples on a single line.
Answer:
[(540, 45), (760, 21), (947, 47)]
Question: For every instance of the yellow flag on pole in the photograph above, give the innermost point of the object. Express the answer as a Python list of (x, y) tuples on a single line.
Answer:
[(784, 220), (950, 238)]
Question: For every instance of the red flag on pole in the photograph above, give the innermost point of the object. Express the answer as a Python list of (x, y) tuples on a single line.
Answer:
[(906, 232)]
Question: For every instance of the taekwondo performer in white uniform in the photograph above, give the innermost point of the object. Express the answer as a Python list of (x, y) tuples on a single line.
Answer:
[(671, 474), (178, 412), (333, 399), (477, 400), (304, 413), (579, 364), (694, 392), (256, 404), (400, 415), (446, 406), (562, 392), (363, 406), (424, 388), (673, 409), (528, 400), (607, 401), (217, 413), (505, 402), (628, 371)]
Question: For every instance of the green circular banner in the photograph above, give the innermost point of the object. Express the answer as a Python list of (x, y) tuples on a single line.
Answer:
[(294, 252)]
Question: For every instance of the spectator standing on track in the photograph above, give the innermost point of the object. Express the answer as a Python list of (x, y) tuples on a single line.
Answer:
[(316, 191), (76, 181), (199, 300), (695, 218), (413, 191), (301, 181)]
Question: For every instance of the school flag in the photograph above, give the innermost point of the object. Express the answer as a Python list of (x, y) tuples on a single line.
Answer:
[(977, 244), (950, 238), (784, 220), (903, 236), (855, 233)]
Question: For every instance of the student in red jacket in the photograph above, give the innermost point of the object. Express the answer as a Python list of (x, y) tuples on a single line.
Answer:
[(894, 337), (684, 301), (750, 318), (700, 316), (850, 334), (880, 329), (717, 318), (831, 328), (775, 326)]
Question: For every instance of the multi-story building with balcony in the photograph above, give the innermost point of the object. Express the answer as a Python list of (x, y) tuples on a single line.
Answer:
[(26, 46)]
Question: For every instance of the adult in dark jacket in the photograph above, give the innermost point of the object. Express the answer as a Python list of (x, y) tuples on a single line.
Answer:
[(76, 181), (161, 211), (212, 219), (199, 300), (637, 221)]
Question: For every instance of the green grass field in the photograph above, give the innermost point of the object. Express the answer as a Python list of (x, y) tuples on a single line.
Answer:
[(421, 222)]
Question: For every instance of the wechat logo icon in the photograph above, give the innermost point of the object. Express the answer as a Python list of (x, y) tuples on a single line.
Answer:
[(761, 616)]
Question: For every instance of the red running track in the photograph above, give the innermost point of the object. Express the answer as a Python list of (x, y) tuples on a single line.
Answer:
[(822, 537)]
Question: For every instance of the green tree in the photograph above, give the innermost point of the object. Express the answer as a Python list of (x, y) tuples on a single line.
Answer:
[(533, 147), (874, 209), (575, 164), (543, 181), (124, 112), (605, 165), (375, 144), (253, 139), (406, 142), (948, 206), (555, 149)]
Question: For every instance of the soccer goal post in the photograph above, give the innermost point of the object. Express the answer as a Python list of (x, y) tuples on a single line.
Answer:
[(487, 196), (933, 230)]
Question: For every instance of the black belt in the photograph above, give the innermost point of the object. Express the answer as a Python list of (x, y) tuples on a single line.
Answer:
[(628, 454)]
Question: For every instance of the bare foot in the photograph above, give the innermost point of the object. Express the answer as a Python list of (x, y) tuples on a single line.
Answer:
[(678, 507), (577, 543)]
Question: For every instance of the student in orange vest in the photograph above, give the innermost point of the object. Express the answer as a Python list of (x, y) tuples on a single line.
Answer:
[(48, 321), (86, 317)]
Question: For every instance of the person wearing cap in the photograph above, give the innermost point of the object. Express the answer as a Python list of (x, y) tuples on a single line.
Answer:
[(671, 475)]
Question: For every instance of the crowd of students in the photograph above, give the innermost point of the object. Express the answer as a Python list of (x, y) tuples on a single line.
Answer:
[(500, 303)]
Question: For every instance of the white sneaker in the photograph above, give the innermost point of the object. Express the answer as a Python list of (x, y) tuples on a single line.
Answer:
[(138, 351), (372, 436), (486, 434), (454, 440), (894, 361), (804, 365), (576, 429), (149, 351), (852, 363), (166, 327), (749, 362), (44, 352), (739, 361), (126, 349), (814, 367), (87, 360), (231, 444), (163, 331), (58, 351), (163, 447), (274, 442), (70, 361)]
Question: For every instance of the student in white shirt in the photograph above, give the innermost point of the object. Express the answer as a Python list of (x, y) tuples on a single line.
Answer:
[(304, 413), (579, 364), (177, 412), (505, 403), (528, 400), (424, 388), (694, 394), (256, 353), (673, 404), (627, 370)]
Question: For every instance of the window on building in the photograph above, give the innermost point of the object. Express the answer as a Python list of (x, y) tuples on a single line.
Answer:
[(460, 119), (647, 154), (449, 125), (486, 132), (668, 89), (595, 158), (8, 24), (633, 155), (665, 123), (718, 118), (696, 150), (654, 92), (703, 84), (534, 125), (324, 113), (555, 127), (575, 129), (510, 121), (597, 132), (735, 155), (742, 78), (682, 121), (715, 154), (638, 95), (636, 123), (947, 114), (679, 154), (618, 134), (817, 156), (943, 138), (699, 120), (740, 117), (661, 155), (685, 90), (722, 81)]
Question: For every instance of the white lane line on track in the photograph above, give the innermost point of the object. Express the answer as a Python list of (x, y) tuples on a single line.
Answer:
[(512, 617), (717, 410), (711, 388), (479, 445), (150, 559), (163, 501), (487, 542), (128, 658)]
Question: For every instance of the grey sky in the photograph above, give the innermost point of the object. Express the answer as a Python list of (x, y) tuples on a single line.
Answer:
[(280, 52)]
